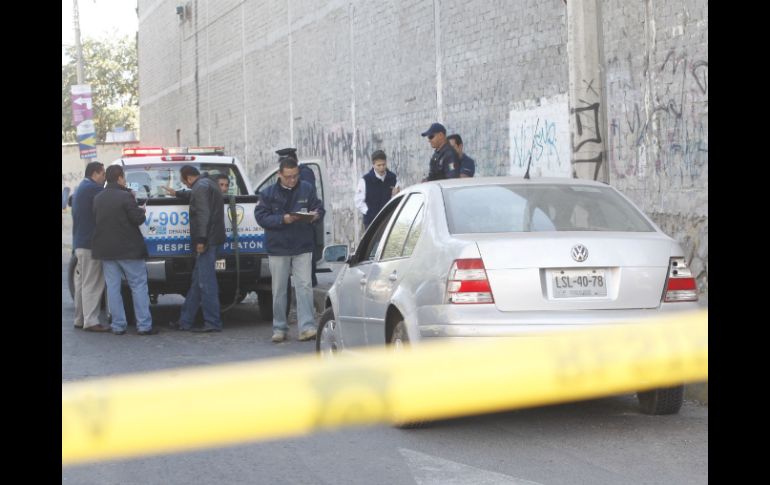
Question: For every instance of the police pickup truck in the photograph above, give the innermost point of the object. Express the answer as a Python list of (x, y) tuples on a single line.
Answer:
[(242, 265)]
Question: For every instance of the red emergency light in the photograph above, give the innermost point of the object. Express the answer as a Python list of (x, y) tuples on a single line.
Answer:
[(142, 151)]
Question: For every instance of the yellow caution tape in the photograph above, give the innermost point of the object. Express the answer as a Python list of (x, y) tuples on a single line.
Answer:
[(185, 409)]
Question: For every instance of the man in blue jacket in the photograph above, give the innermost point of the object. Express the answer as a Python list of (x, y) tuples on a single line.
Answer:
[(289, 240), (306, 174), (89, 278)]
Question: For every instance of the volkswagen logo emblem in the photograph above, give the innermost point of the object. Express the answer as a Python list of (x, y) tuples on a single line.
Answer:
[(579, 253)]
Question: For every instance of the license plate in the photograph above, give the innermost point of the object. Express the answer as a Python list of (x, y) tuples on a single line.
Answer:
[(220, 265), (577, 283)]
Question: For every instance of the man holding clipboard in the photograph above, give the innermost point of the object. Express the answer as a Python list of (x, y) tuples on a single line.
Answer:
[(286, 211)]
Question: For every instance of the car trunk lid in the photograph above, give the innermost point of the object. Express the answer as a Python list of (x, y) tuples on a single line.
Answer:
[(537, 271)]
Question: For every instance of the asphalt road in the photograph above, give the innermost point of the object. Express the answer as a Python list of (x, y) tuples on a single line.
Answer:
[(604, 441)]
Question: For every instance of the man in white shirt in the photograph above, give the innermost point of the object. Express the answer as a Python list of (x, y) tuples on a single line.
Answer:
[(375, 188)]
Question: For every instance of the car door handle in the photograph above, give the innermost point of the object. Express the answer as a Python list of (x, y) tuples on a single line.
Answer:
[(363, 281), (393, 276)]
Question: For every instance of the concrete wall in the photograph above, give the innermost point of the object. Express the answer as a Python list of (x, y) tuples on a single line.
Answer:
[(73, 167), (656, 61), (342, 78)]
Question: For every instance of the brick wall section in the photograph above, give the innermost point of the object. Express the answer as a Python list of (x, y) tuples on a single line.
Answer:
[(342, 78)]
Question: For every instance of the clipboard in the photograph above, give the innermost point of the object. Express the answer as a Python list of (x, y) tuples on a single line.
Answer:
[(303, 216)]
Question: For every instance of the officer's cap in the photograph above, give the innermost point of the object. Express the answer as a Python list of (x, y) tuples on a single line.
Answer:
[(435, 128), (287, 152)]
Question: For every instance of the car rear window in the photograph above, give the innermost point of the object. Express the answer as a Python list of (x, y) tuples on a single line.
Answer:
[(540, 208), (150, 178)]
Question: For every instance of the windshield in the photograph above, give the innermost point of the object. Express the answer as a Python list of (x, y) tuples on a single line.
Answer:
[(540, 208), (150, 179)]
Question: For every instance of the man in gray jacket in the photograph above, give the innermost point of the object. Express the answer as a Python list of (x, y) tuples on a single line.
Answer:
[(118, 242), (207, 233)]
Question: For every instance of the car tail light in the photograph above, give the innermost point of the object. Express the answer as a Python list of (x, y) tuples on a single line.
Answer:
[(468, 283), (680, 284)]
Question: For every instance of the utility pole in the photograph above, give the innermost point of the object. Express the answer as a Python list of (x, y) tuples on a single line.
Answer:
[(587, 99), (79, 47)]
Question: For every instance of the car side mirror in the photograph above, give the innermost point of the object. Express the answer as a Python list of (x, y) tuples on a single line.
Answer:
[(336, 253)]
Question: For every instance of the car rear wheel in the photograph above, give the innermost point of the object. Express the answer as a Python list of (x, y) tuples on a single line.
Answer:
[(665, 400), (399, 340), (327, 339)]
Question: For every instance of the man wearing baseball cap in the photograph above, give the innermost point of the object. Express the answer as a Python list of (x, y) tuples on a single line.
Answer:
[(444, 163)]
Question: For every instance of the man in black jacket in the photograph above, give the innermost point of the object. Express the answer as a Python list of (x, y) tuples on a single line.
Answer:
[(118, 242), (207, 234)]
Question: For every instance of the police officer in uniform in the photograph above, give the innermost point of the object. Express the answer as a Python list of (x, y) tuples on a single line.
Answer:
[(444, 163), (467, 164)]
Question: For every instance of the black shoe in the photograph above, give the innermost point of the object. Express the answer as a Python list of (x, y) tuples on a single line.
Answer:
[(152, 331), (119, 332), (177, 326), (206, 329)]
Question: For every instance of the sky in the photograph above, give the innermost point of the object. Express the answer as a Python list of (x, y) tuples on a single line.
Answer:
[(98, 18)]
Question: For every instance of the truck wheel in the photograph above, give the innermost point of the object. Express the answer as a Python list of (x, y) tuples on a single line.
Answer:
[(128, 304), (665, 400), (226, 298), (265, 302)]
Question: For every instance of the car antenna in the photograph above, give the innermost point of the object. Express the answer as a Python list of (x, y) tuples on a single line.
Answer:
[(529, 163)]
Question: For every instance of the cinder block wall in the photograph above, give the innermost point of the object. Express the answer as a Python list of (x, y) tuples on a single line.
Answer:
[(340, 79)]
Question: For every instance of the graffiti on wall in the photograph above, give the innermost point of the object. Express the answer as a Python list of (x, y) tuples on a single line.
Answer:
[(585, 135), (666, 134), (347, 157), (540, 131)]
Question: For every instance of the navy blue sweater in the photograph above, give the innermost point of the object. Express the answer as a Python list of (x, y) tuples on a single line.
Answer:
[(83, 220), (274, 202), (378, 193)]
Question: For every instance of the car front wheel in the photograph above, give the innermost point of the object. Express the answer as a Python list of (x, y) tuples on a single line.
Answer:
[(327, 341), (399, 340)]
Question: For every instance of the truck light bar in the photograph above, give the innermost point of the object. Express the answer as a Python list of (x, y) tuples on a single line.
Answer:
[(155, 151), (178, 158), (142, 151)]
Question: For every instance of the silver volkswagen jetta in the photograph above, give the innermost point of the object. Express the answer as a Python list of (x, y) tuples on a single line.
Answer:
[(505, 256)]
